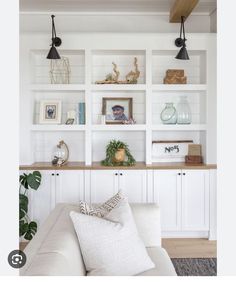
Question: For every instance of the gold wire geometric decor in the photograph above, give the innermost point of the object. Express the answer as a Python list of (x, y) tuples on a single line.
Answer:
[(60, 71)]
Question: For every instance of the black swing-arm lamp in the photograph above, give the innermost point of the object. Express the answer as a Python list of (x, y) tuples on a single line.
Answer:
[(56, 41), (180, 42)]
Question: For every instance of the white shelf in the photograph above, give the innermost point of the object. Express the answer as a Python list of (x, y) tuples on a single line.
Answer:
[(112, 87), (119, 127), (177, 127), (179, 87), (57, 87), (57, 127)]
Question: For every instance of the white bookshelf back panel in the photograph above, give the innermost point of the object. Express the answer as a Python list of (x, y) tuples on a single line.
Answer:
[(196, 100), (195, 68), (135, 141), (69, 101), (41, 66), (102, 64), (138, 104), (45, 142)]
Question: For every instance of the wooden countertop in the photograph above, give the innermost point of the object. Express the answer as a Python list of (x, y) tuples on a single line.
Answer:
[(98, 166)]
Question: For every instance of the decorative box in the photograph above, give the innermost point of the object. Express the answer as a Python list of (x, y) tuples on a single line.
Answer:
[(170, 150)]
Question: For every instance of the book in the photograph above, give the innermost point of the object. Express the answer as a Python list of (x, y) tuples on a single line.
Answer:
[(81, 113)]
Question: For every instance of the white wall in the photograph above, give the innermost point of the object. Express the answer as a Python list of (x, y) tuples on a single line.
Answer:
[(111, 23)]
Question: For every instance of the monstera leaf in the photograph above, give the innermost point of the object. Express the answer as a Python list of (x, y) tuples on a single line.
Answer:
[(34, 180), (31, 230), (23, 202), (23, 180), (23, 227)]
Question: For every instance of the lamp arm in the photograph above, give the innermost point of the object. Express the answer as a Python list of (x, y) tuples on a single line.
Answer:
[(182, 22)]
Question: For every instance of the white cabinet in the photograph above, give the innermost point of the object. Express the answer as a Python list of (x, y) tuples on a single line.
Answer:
[(186, 197), (183, 197), (65, 186), (105, 183), (195, 200), (167, 193), (69, 186), (133, 183), (42, 201)]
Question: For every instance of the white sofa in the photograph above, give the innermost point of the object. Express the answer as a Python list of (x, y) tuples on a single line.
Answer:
[(55, 248)]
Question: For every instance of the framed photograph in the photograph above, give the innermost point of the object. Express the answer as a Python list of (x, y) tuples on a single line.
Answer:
[(117, 110), (50, 112)]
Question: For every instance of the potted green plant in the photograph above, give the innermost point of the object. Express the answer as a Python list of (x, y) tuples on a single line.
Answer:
[(27, 228), (118, 154)]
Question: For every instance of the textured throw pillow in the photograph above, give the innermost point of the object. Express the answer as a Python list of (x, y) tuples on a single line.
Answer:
[(111, 245), (102, 210)]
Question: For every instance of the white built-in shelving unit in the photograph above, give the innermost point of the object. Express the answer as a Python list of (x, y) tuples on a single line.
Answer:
[(92, 62)]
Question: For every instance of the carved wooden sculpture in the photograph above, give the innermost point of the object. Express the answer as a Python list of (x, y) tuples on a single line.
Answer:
[(132, 76)]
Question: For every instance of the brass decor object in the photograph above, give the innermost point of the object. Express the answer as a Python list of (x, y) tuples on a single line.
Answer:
[(113, 78), (61, 154)]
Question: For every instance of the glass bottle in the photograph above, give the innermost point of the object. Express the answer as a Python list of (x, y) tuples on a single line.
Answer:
[(169, 114), (184, 115)]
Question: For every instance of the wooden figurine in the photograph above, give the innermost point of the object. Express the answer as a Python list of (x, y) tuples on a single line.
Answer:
[(111, 78), (132, 76)]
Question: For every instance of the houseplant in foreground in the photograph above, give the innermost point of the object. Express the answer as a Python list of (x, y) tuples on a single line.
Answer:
[(118, 154), (27, 228)]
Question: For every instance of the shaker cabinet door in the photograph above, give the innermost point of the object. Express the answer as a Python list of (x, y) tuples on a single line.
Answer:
[(69, 186), (195, 200), (103, 185), (167, 194), (42, 200), (133, 183)]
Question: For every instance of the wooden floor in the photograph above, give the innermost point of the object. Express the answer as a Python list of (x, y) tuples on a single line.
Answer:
[(190, 248)]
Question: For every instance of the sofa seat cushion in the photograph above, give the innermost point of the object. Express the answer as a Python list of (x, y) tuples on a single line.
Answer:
[(163, 264)]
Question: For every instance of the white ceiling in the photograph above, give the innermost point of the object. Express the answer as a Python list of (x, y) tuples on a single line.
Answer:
[(204, 7)]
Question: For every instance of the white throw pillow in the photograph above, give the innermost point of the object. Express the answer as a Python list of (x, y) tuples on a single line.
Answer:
[(111, 245)]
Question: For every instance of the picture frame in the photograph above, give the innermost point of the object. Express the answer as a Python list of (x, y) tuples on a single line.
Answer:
[(117, 110), (50, 112)]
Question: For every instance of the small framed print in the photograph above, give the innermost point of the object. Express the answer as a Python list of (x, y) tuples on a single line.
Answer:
[(50, 112), (117, 110)]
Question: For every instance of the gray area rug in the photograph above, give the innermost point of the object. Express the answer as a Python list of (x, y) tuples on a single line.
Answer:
[(195, 266)]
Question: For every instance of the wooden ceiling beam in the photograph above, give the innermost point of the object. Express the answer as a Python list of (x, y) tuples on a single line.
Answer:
[(181, 8)]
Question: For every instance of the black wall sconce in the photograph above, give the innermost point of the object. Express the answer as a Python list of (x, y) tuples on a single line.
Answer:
[(56, 41), (180, 42)]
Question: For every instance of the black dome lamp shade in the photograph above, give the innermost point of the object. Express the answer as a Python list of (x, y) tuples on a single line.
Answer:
[(180, 42), (56, 41)]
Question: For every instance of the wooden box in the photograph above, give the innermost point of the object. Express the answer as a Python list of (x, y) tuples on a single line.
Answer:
[(170, 151), (175, 80), (174, 72), (193, 159)]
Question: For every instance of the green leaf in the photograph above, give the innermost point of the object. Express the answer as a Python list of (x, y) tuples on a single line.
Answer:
[(23, 199), (34, 180), (23, 181), (22, 214), (24, 226), (32, 229)]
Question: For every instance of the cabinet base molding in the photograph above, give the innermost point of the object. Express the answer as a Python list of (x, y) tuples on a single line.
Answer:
[(185, 234)]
